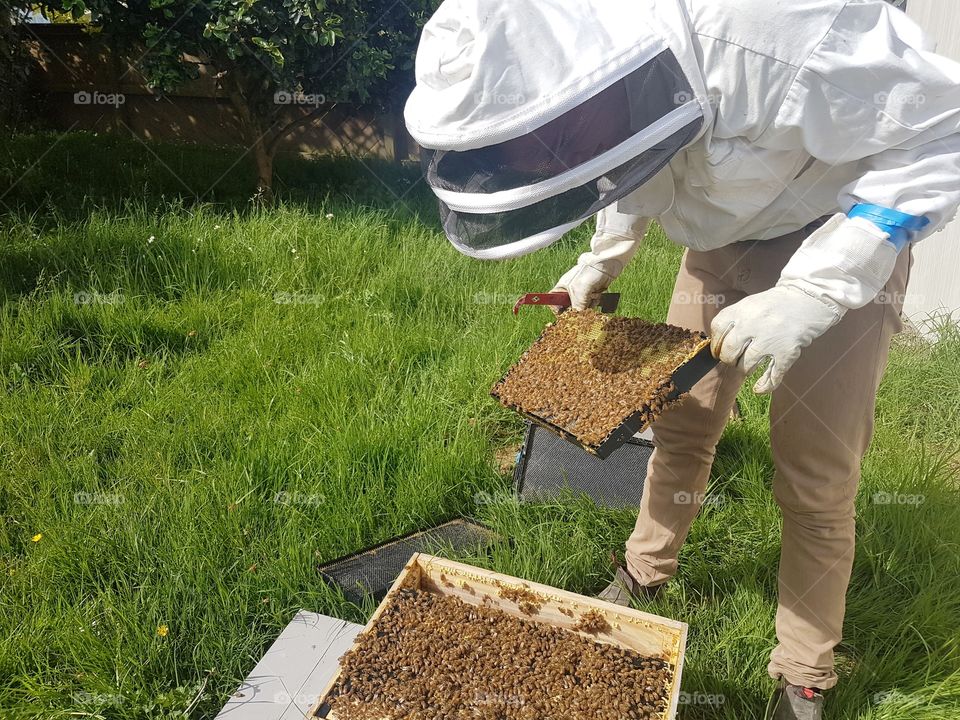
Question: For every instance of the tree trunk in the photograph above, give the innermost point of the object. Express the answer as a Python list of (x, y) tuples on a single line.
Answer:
[(263, 155), (253, 131), (401, 147)]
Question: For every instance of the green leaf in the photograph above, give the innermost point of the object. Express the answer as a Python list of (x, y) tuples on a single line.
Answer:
[(270, 48)]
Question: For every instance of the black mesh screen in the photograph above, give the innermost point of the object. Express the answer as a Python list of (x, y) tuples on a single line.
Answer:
[(550, 466), (487, 230), (373, 571)]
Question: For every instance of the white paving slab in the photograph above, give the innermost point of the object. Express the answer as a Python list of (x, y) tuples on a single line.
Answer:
[(288, 680)]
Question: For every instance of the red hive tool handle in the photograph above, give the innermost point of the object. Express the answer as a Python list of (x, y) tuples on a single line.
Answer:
[(608, 301), (558, 299)]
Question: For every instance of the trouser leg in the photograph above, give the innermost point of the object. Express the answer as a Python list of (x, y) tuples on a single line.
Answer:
[(821, 422), (821, 425), (686, 435)]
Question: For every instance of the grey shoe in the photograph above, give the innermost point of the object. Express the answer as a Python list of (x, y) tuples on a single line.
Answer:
[(792, 702), (624, 590)]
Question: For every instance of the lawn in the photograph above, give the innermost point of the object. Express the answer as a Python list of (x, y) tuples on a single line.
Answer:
[(201, 402)]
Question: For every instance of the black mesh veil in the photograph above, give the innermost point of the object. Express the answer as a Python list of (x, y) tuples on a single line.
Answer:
[(489, 230), (514, 196)]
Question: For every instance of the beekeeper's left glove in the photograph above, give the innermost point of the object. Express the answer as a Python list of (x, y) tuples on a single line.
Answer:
[(841, 266), (614, 243)]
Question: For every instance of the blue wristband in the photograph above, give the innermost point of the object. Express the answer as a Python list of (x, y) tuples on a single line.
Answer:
[(899, 225)]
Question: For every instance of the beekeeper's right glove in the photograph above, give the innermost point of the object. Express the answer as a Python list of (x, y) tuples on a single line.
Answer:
[(614, 244), (841, 266)]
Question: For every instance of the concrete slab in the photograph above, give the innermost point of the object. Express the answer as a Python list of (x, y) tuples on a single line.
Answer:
[(288, 680)]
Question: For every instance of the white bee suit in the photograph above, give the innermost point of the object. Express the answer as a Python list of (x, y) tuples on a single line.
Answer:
[(838, 101), (795, 148)]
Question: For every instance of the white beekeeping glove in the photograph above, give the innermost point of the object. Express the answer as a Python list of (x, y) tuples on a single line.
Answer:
[(841, 266), (585, 284), (614, 244)]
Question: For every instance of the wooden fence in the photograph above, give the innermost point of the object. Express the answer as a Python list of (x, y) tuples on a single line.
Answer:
[(83, 85)]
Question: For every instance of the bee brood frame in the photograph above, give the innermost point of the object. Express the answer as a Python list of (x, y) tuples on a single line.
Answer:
[(691, 361)]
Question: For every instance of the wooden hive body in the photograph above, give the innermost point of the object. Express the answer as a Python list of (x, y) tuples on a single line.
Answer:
[(647, 634)]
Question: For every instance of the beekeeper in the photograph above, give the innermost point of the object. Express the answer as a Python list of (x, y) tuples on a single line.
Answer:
[(797, 150)]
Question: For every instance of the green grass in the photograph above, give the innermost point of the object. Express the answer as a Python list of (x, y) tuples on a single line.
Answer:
[(159, 397)]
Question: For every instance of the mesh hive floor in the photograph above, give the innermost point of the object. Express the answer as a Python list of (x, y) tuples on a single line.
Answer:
[(588, 372), (550, 466), (373, 571)]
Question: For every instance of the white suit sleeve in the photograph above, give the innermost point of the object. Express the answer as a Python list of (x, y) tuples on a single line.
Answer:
[(615, 242), (874, 92)]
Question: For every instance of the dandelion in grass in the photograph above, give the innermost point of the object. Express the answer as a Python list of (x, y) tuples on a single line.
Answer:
[(329, 216), (37, 538), (162, 630), (150, 240)]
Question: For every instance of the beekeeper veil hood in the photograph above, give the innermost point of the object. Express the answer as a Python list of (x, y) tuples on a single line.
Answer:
[(533, 115)]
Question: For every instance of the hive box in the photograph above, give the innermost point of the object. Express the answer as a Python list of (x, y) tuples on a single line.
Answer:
[(631, 629)]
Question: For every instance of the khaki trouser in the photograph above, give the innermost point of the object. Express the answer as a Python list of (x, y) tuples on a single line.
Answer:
[(821, 420)]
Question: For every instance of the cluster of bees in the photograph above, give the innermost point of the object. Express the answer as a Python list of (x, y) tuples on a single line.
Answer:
[(435, 657), (588, 373), (592, 622), (528, 602)]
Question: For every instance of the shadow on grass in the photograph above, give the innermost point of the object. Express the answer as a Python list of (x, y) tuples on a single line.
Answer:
[(65, 175), (102, 341), (53, 186)]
